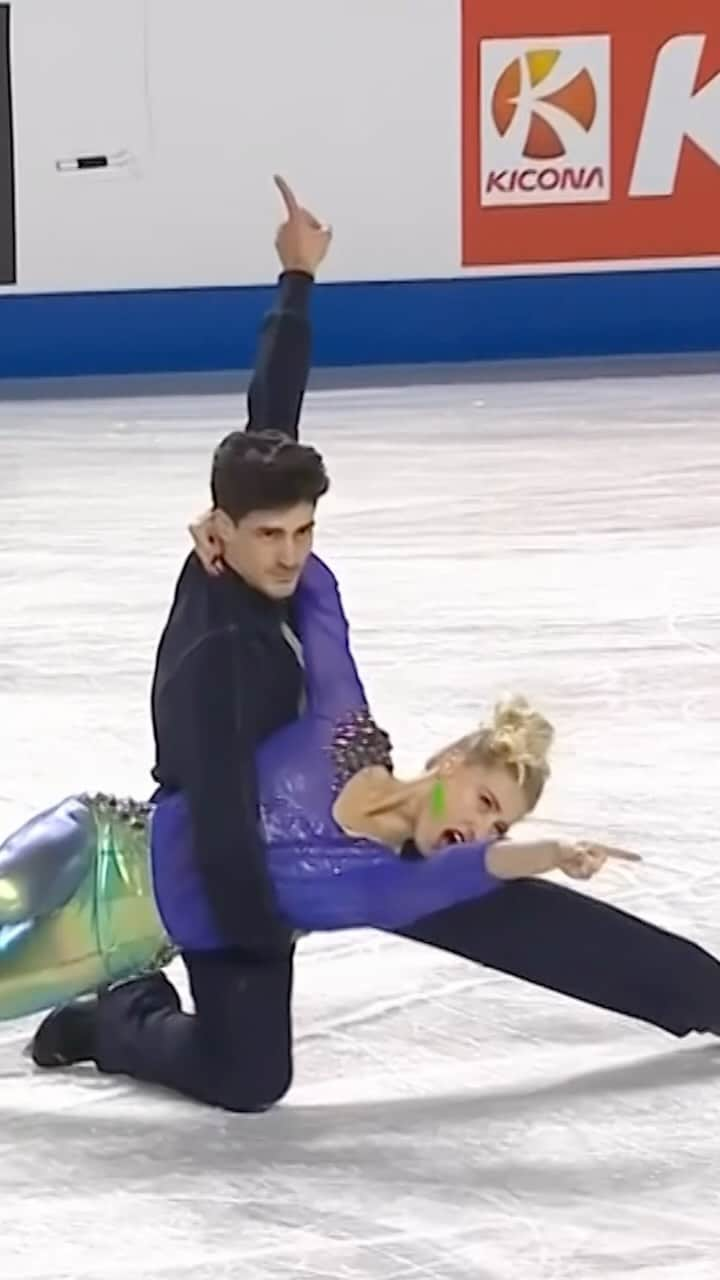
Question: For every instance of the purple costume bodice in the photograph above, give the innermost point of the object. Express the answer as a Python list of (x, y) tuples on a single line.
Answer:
[(323, 878)]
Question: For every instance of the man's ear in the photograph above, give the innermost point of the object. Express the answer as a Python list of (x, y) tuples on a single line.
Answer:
[(222, 526)]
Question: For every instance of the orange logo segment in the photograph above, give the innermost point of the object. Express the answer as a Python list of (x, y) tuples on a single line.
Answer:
[(577, 99)]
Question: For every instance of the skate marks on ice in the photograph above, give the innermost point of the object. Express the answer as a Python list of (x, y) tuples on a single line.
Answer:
[(560, 539), (490, 1182)]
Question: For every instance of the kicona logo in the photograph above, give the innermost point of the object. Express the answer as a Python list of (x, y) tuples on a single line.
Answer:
[(545, 121)]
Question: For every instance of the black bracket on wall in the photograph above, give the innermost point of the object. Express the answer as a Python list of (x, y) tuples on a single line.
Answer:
[(8, 251)]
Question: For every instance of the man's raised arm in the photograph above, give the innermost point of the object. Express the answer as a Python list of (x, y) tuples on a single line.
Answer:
[(282, 367)]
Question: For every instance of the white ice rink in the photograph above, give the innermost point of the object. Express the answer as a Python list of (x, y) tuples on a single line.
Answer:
[(561, 539)]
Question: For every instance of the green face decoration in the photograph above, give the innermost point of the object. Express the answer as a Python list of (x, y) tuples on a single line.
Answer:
[(438, 800)]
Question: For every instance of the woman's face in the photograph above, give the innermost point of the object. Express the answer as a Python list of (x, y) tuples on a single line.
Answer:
[(474, 802)]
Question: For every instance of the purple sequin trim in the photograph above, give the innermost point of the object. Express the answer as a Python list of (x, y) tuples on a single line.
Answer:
[(357, 744)]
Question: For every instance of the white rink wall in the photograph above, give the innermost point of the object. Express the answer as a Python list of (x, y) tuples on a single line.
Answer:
[(151, 262), (209, 100)]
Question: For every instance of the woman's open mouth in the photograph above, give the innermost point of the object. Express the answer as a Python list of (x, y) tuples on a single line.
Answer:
[(451, 836)]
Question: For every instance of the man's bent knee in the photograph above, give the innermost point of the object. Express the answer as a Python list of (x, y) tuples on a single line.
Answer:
[(235, 1091)]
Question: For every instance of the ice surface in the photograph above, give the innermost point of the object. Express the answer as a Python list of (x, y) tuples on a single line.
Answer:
[(559, 538)]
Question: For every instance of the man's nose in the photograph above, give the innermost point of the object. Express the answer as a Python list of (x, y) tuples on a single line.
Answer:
[(289, 556)]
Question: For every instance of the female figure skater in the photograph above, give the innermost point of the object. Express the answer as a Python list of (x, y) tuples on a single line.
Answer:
[(95, 891)]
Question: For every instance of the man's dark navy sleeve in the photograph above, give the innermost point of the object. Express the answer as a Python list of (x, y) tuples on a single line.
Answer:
[(282, 368), (207, 718)]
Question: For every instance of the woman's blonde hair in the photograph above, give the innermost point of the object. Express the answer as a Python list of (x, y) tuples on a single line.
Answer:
[(519, 739)]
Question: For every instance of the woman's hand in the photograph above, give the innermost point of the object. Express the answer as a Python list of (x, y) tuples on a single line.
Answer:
[(580, 860), (208, 546), (584, 858)]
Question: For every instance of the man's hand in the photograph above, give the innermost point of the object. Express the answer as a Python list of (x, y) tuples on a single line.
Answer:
[(208, 545), (302, 241)]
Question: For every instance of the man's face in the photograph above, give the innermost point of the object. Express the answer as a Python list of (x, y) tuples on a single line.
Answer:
[(269, 548)]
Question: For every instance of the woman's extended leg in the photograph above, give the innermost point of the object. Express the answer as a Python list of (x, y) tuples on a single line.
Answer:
[(44, 862)]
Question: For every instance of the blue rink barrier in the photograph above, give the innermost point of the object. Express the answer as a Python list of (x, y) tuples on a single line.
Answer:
[(385, 323)]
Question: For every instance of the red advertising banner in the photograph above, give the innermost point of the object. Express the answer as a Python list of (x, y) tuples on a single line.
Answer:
[(590, 132)]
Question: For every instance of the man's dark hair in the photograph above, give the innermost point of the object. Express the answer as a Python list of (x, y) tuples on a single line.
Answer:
[(264, 471)]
